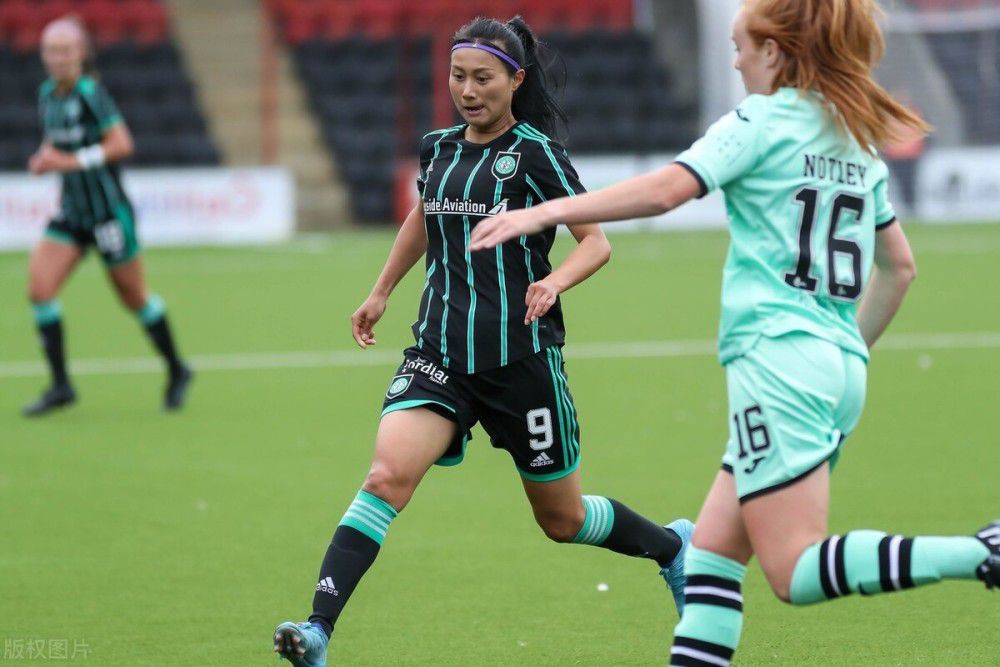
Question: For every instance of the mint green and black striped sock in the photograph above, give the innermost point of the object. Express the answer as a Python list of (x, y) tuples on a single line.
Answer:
[(612, 525), (869, 562), (709, 630), (355, 545)]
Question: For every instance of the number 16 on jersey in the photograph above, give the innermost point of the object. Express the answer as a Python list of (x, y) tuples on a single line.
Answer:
[(801, 277)]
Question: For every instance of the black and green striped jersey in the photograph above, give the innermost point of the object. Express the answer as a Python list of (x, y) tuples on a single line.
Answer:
[(472, 310), (76, 120)]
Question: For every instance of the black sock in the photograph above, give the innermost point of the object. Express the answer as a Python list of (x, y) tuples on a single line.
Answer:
[(52, 344), (348, 557), (635, 535), (159, 333)]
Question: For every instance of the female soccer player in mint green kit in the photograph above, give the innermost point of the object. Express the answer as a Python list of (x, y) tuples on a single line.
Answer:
[(802, 303), (85, 138)]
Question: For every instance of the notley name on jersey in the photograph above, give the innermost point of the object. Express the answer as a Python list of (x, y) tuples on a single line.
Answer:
[(834, 170)]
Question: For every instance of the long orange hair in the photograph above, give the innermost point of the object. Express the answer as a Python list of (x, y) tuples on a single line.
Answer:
[(831, 47)]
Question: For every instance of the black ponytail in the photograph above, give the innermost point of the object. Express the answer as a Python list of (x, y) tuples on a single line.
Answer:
[(544, 72)]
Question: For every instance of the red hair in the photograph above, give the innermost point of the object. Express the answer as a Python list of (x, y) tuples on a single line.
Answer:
[(831, 47)]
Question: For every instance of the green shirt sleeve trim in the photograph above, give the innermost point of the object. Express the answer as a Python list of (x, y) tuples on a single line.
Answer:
[(86, 86), (110, 122)]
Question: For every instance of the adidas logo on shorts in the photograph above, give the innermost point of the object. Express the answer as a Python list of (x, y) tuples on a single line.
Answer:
[(542, 460), (326, 585)]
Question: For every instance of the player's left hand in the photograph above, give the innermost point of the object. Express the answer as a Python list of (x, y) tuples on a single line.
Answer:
[(491, 232), (540, 298), (49, 158)]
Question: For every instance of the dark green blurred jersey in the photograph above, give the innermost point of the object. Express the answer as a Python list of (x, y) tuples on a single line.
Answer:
[(76, 120)]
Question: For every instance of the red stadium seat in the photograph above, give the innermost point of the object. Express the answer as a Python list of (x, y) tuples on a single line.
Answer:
[(15, 16), (605, 14), (504, 10), (424, 18), (27, 37), (292, 9), (305, 21), (380, 19), (546, 16), (145, 21), (54, 9), (104, 21), (301, 20), (338, 20)]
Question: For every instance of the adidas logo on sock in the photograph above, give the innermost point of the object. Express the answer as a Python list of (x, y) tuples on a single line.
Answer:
[(542, 460), (326, 585)]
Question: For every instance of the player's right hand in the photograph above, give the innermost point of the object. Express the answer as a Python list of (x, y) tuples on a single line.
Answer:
[(364, 318)]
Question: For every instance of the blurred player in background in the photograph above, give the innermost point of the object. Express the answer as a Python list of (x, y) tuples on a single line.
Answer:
[(84, 137), (489, 333), (809, 215)]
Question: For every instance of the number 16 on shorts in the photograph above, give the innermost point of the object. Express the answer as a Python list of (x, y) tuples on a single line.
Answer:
[(750, 424)]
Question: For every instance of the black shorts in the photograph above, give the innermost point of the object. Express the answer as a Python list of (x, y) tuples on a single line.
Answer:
[(525, 407), (115, 239)]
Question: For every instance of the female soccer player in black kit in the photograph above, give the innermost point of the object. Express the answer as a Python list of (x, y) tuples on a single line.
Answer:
[(84, 137), (489, 332)]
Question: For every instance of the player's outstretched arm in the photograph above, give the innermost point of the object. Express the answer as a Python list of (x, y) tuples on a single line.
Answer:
[(644, 196), (892, 274), (409, 246), (593, 250)]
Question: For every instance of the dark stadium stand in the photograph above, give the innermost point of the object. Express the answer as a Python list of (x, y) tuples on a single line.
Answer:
[(975, 87), (360, 113), (136, 59), (368, 69)]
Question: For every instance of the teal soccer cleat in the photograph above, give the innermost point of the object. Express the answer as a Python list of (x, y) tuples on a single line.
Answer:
[(674, 573), (302, 644)]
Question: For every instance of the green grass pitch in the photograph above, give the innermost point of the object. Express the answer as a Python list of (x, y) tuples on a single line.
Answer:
[(183, 539)]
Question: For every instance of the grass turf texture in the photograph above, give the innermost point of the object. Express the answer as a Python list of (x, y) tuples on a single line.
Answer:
[(183, 539)]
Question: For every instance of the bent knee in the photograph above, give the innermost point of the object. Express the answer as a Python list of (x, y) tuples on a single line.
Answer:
[(133, 299), (40, 291), (780, 580), (779, 569), (783, 591), (561, 527), (390, 484)]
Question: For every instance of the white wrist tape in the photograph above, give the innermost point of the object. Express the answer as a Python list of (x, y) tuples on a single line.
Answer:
[(91, 157)]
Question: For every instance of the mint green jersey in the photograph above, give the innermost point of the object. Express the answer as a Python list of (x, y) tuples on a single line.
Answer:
[(803, 201)]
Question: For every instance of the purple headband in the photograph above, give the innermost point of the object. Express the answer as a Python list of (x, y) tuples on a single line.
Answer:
[(489, 49)]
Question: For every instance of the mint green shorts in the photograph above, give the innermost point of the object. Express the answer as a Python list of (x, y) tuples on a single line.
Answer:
[(792, 402)]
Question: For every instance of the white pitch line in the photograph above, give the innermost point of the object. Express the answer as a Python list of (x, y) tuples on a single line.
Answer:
[(358, 358)]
